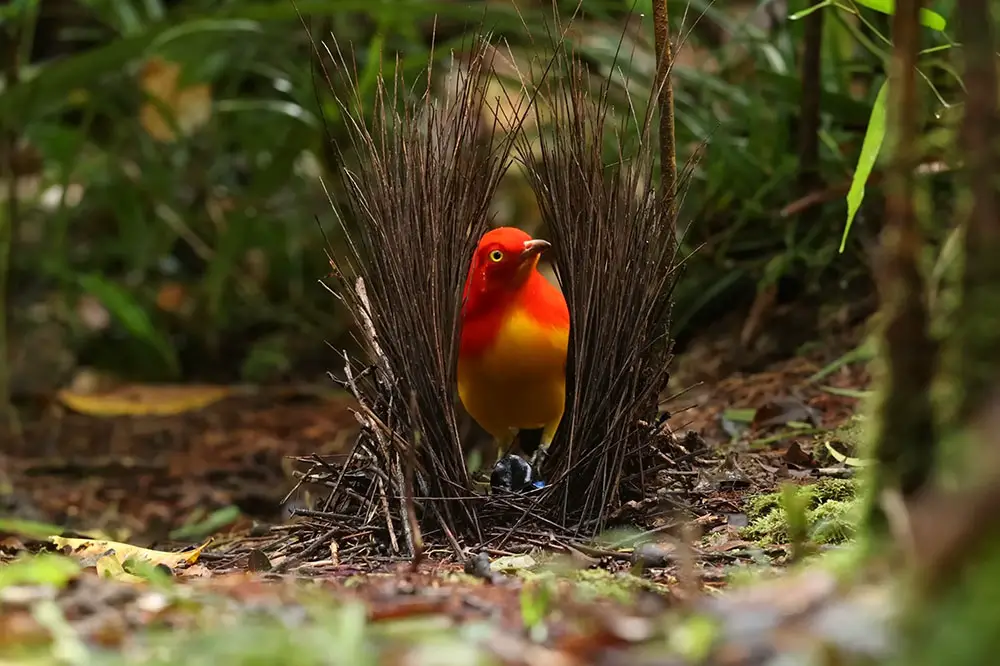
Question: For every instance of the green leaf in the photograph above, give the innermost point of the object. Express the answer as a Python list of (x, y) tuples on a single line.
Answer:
[(809, 10), (739, 415), (43, 569), (195, 531), (124, 307), (201, 26), (270, 106), (929, 19), (866, 161), (536, 600), (12, 10), (29, 528)]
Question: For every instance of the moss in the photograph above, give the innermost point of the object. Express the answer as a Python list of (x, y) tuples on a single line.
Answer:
[(830, 513), (833, 490), (591, 584), (759, 506), (832, 522), (849, 437)]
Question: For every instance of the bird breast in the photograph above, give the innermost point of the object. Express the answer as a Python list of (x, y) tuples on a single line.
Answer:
[(519, 379), (523, 349)]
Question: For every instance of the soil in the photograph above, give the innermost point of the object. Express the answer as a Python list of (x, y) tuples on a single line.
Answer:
[(157, 481)]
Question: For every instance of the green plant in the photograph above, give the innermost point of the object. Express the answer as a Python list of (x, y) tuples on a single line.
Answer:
[(875, 132)]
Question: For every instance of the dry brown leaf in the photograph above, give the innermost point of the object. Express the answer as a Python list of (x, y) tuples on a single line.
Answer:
[(173, 297), (191, 107), (143, 399), (95, 548)]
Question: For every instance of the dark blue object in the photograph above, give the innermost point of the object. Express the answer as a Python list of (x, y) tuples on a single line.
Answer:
[(513, 474)]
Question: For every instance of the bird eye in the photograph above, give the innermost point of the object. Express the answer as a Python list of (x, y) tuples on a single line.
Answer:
[(496, 256)]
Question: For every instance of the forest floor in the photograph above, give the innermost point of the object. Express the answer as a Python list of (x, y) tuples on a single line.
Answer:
[(220, 469)]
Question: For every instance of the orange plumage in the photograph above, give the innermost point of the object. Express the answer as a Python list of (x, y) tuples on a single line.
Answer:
[(515, 333)]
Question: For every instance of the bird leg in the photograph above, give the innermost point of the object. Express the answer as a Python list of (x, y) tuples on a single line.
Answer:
[(537, 459), (503, 445), (483, 459)]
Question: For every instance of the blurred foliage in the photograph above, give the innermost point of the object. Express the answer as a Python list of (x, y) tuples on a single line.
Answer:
[(167, 155)]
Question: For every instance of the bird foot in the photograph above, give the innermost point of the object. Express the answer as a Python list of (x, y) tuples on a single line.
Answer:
[(537, 459)]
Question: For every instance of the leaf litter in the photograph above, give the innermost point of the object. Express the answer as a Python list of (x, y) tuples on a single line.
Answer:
[(255, 592)]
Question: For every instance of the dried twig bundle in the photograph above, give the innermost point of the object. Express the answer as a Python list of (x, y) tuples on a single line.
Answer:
[(615, 253), (417, 194)]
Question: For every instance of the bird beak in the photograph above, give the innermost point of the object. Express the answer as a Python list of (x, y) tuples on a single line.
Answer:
[(533, 248)]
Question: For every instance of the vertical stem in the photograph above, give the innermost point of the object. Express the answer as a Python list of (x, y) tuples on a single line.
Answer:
[(977, 333), (9, 218), (905, 425), (809, 105), (665, 100)]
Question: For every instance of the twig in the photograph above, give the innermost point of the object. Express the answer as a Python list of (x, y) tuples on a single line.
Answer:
[(413, 531), (308, 551), (614, 379), (688, 561)]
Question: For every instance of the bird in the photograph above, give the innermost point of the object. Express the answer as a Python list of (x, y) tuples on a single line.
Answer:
[(514, 340)]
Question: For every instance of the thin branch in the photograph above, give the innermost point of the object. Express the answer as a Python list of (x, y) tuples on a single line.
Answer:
[(665, 101), (809, 105)]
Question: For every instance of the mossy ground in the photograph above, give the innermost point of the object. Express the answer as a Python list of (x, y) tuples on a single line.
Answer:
[(830, 513)]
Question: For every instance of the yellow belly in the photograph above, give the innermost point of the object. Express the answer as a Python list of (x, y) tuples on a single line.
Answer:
[(520, 383)]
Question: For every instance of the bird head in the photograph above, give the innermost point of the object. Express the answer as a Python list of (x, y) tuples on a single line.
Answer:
[(503, 261)]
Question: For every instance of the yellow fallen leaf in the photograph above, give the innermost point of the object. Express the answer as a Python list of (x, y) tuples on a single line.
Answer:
[(84, 548), (109, 567), (190, 107), (847, 460), (143, 399)]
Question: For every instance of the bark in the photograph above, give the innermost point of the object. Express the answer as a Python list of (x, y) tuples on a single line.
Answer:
[(904, 433), (978, 319), (665, 100), (809, 107)]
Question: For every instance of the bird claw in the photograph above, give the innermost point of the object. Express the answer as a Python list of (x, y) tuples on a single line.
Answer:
[(537, 459)]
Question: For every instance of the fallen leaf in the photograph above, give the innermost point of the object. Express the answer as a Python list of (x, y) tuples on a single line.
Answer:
[(109, 567), (737, 519), (794, 455), (173, 297), (144, 399), (85, 548), (201, 571), (653, 554), (257, 561), (782, 411), (847, 460), (512, 563), (189, 108)]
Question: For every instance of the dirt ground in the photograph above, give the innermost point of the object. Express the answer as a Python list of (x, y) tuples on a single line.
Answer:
[(225, 472)]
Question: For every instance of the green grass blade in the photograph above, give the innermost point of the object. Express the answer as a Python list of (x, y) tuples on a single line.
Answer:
[(928, 19), (866, 161), (124, 307)]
